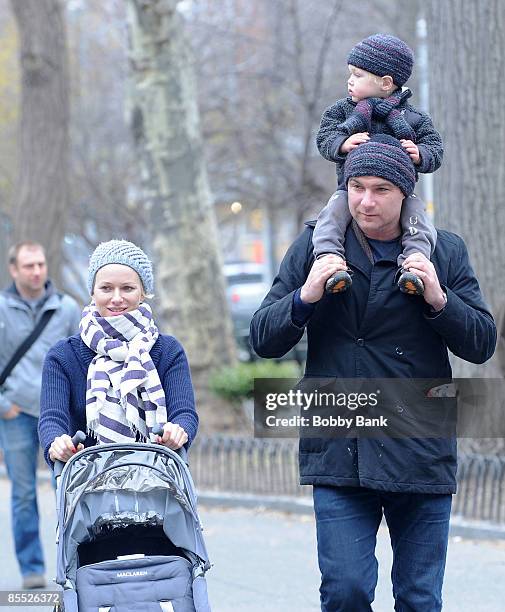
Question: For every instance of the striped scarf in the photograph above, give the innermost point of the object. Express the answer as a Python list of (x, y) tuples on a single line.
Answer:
[(124, 395)]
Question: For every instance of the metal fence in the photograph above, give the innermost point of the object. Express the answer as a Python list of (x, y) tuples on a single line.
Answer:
[(246, 465), (481, 482), (270, 467)]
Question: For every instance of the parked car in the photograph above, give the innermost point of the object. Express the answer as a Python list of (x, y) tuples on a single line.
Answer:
[(245, 289), (247, 285)]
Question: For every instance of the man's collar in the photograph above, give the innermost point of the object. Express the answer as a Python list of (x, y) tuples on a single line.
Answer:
[(353, 250), (355, 254), (49, 290)]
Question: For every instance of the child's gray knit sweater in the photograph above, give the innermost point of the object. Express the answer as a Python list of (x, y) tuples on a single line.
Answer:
[(335, 129)]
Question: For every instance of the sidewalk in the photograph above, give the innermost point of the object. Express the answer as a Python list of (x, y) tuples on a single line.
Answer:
[(265, 561)]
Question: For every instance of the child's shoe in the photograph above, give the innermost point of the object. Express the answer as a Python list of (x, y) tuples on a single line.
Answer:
[(340, 281), (410, 283)]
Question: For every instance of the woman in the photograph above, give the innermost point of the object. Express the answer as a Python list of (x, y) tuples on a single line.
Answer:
[(119, 376)]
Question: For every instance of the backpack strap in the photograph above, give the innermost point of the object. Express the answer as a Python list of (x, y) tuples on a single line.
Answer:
[(26, 344)]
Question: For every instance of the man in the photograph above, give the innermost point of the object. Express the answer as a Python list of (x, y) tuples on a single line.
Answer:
[(375, 331), (21, 307)]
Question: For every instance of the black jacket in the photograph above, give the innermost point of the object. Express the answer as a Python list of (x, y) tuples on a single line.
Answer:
[(375, 331)]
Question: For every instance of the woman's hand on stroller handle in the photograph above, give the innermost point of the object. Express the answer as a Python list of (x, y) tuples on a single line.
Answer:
[(171, 435), (64, 447)]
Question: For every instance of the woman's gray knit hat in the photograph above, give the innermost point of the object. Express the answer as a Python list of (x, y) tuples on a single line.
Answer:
[(382, 54), (382, 156), (121, 252)]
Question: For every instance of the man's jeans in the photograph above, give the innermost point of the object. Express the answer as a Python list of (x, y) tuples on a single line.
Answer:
[(347, 520), (20, 444)]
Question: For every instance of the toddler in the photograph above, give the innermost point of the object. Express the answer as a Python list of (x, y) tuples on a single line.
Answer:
[(377, 104)]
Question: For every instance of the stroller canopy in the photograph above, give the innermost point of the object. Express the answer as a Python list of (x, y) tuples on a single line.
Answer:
[(112, 486)]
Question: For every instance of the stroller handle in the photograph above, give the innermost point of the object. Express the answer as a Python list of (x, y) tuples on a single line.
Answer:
[(78, 438), (182, 452)]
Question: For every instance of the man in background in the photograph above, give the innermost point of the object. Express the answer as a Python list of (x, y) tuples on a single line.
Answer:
[(33, 316)]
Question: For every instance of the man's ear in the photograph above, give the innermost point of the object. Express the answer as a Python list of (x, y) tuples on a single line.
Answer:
[(387, 83)]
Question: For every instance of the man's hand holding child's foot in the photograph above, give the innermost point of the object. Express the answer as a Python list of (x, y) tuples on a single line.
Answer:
[(323, 269), (410, 283), (340, 281)]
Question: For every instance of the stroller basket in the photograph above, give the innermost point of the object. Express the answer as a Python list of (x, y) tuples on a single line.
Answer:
[(129, 534)]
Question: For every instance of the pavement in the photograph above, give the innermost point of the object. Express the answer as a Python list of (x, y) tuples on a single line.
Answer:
[(265, 561)]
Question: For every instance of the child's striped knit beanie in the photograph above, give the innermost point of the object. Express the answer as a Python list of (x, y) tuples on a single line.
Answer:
[(382, 54)]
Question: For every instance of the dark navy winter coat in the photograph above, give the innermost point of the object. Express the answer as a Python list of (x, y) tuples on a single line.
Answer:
[(375, 331)]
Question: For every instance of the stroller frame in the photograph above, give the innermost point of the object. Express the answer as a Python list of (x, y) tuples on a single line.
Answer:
[(167, 494)]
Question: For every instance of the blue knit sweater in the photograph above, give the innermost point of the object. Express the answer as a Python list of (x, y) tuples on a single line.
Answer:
[(63, 395)]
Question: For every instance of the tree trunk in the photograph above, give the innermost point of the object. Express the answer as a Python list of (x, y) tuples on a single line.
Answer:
[(467, 51), (165, 122), (41, 194)]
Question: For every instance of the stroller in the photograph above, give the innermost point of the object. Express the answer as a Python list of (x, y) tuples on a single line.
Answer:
[(129, 537)]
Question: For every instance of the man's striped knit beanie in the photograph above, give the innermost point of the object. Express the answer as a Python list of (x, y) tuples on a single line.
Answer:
[(382, 156), (382, 54)]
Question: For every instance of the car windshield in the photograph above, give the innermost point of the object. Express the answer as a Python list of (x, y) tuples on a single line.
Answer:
[(243, 278)]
